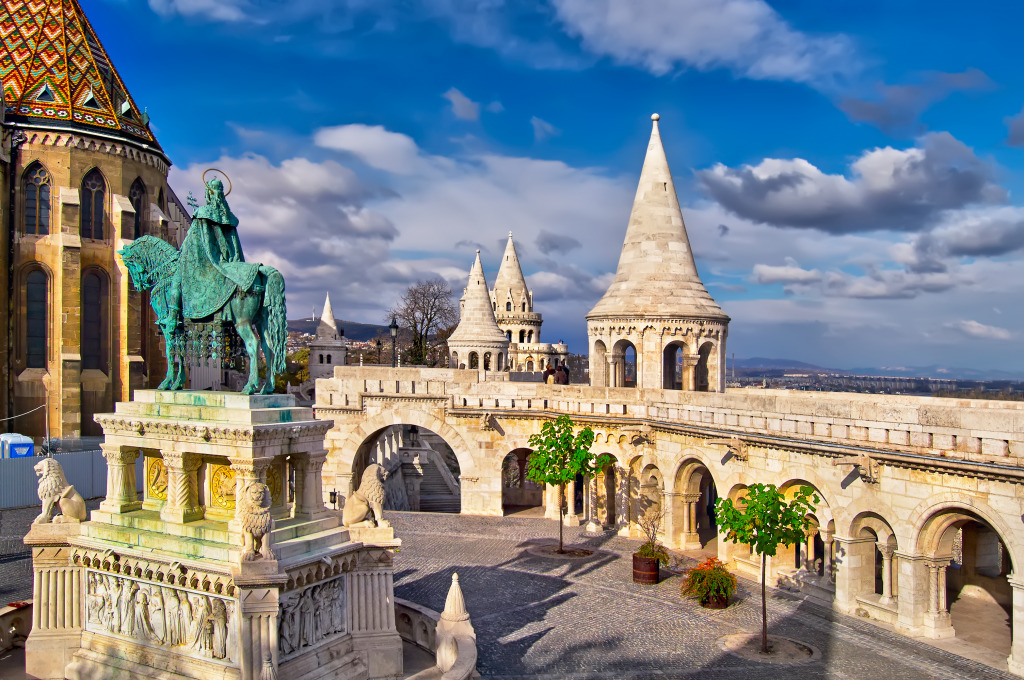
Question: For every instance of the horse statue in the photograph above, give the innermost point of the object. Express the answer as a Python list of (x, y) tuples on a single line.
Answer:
[(208, 286), (258, 314)]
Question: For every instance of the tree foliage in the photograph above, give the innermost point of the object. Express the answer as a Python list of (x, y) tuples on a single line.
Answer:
[(764, 519), (428, 313), (560, 455)]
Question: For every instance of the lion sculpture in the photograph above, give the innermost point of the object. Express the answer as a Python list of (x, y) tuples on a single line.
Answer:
[(55, 490), (366, 506), (256, 522)]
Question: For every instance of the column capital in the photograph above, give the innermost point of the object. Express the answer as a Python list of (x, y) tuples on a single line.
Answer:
[(119, 455), (886, 550)]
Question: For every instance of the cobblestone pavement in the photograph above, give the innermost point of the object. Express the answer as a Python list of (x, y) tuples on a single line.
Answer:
[(544, 618)]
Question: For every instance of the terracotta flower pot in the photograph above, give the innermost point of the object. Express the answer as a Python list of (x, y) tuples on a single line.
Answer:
[(646, 570), (715, 602)]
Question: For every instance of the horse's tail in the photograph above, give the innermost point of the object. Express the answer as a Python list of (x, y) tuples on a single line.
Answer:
[(277, 319)]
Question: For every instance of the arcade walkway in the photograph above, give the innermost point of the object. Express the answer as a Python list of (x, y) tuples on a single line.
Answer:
[(540, 618)]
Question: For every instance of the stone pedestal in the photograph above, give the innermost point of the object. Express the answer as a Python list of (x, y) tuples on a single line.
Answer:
[(166, 588)]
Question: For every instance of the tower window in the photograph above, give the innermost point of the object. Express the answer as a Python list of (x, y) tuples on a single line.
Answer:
[(508, 306), (93, 203), (137, 196), (94, 322), (37, 185), (328, 358), (36, 294)]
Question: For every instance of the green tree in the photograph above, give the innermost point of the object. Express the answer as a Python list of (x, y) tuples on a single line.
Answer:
[(559, 455), (764, 520), (428, 312)]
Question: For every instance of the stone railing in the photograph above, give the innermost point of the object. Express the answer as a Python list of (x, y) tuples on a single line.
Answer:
[(449, 636)]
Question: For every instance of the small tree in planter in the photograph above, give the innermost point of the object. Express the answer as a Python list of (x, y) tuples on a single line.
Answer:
[(648, 559), (559, 456), (765, 520), (710, 583)]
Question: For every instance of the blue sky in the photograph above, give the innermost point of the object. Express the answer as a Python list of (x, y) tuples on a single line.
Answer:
[(850, 173)]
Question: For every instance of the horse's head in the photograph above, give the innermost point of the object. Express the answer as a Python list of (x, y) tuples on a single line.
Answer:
[(135, 266), (145, 258)]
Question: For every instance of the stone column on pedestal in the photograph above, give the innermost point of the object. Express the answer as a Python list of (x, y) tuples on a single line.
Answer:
[(57, 611), (826, 562), (121, 490), (182, 487), (807, 563), (691, 535), (937, 622), (887, 554), (670, 522), (570, 519), (855, 567)]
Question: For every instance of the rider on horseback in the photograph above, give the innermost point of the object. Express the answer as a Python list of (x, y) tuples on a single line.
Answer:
[(211, 258)]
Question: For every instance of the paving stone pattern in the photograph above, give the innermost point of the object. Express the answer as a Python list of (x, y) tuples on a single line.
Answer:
[(542, 618)]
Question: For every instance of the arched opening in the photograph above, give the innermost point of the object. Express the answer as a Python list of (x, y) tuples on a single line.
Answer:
[(508, 306), (92, 215), (519, 495), (624, 368), (967, 566), (455, 360), (37, 296), (693, 511), (95, 322), (524, 306), (487, 361), (423, 473), (474, 360), (673, 366), (328, 358), (137, 197), (529, 337), (701, 375), (321, 358), (501, 361), (508, 334), (522, 337), (609, 494), (646, 485), (806, 557), (529, 365), (37, 186)]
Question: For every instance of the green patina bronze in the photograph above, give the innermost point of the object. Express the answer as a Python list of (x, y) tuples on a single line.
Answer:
[(206, 292)]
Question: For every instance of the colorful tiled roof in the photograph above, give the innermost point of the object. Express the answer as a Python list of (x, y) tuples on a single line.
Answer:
[(56, 73)]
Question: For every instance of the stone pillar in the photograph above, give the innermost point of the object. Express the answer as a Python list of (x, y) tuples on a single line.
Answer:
[(372, 620), (613, 372), (258, 640), (937, 622), (807, 548), (854, 567), (887, 554), (521, 462), (570, 519), (121, 490), (826, 562), (182, 488), (58, 608), (670, 506), (1016, 660), (691, 535)]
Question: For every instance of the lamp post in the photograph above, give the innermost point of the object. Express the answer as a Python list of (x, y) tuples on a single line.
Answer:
[(393, 327), (379, 362)]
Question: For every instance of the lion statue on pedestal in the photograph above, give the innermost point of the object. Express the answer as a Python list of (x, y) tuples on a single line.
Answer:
[(366, 506), (55, 490), (256, 522)]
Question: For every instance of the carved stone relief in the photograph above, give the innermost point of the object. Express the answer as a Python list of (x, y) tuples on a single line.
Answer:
[(222, 487), (156, 478), (184, 621), (311, 615), (275, 482)]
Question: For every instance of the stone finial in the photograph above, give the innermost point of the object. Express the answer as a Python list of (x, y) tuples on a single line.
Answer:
[(655, 117), (455, 604), (268, 672)]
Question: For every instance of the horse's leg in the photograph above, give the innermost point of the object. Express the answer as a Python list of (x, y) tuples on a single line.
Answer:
[(268, 352), (243, 324), (171, 363)]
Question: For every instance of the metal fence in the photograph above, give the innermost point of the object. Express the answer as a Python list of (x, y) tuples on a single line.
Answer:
[(86, 470)]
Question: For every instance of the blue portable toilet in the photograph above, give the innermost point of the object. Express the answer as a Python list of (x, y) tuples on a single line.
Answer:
[(14, 445)]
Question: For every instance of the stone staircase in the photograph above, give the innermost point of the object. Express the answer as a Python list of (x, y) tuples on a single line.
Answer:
[(435, 496)]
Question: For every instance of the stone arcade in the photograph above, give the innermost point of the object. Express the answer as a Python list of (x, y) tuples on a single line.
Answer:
[(229, 567), (921, 497)]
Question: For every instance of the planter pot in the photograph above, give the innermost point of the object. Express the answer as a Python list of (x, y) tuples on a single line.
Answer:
[(646, 570), (715, 603)]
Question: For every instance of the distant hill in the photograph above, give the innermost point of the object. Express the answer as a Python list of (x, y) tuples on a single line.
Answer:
[(755, 364), (353, 329), (775, 364)]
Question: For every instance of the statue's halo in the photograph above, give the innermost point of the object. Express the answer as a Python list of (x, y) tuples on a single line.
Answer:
[(209, 170)]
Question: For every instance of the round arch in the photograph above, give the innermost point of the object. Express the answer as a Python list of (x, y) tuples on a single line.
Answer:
[(673, 370)]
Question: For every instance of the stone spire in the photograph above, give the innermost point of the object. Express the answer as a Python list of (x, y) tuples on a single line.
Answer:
[(328, 327), (477, 323), (656, 275), (510, 280)]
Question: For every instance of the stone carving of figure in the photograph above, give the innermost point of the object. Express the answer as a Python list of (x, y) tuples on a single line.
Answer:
[(195, 627), (184, 619), (323, 613), (113, 606), (171, 616), (219, 620), (256, 523), (140, 622), (54, 490), (96, 600), (206, 628), (156, 614), (287, 629), (365, 508), (306, 609), (337, 606), (129, 592)]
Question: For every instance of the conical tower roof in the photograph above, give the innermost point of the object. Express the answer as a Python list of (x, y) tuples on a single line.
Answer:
[(477, 323), (510, 276), (56, 74), (328, 328), (657, 275)]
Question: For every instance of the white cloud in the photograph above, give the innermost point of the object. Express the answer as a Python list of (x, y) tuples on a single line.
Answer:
[(217, 10), (788, 273), (495, 107), (377, 147), (543, 129), (463, 107), (747, 37), (974, 329)]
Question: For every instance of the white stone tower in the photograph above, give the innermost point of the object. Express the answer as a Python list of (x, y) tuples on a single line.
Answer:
[(477, 342), (329, 348), (657, 303)]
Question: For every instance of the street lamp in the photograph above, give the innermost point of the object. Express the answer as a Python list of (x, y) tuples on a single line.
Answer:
[(378, 352), (394, 336)]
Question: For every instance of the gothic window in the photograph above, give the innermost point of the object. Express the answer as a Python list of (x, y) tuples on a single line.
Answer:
[(36, 294), (93, 201), (37, 184), (94, 322), (328, 358), (508, 306), (137, 196), (522, 337), (161, 200), (524, 306)]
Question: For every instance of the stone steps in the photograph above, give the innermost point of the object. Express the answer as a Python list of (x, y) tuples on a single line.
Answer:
[(310, 543)]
